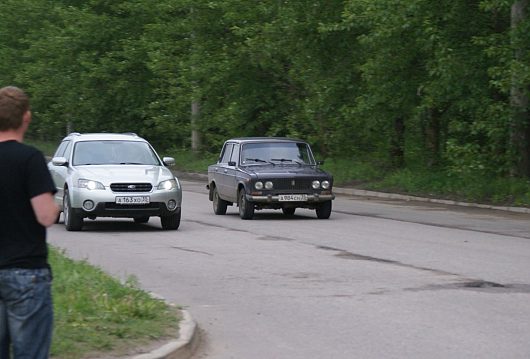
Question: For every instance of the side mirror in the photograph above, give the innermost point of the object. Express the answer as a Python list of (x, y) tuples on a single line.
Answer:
[(59, 161), (168, 161)]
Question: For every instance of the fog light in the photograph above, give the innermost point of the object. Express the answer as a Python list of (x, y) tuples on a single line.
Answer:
[(171, 204), (88, 205)]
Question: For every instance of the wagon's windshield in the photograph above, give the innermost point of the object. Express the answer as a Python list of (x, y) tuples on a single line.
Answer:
[(113, 152), (297, 153)]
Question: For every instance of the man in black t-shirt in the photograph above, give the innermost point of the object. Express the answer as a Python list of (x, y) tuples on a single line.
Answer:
[(27, 207)]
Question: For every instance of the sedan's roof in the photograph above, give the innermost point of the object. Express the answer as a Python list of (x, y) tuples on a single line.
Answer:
[(264, 139)]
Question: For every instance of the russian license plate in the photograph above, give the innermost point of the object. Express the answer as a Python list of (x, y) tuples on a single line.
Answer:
[(132, 199), (292, 197)]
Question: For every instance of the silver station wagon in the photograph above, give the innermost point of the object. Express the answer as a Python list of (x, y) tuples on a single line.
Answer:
[(114, 175), (269, 173)]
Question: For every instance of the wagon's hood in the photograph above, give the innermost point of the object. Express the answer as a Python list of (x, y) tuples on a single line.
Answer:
[(108, 174), (286, 171)]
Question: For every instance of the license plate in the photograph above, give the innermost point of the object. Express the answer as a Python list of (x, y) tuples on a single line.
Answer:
[(292, 197), (132, 200)]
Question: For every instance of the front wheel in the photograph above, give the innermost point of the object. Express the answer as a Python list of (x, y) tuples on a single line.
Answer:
[(171, 222), (72, 221), (324, 210), (246, 208), (219, 205)]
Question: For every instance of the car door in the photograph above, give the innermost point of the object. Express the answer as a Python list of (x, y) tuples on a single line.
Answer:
[(222, 173), (59, 173), (232, 174)]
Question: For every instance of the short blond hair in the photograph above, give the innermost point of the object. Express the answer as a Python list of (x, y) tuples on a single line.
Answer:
[(14, 103)]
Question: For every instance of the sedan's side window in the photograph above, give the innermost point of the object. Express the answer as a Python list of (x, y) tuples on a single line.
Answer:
[(227, 153), (235, 154)]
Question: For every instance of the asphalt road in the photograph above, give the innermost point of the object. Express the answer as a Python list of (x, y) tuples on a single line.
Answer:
[(379, 279)]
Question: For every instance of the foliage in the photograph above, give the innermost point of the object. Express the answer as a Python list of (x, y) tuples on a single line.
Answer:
[(420, 85)]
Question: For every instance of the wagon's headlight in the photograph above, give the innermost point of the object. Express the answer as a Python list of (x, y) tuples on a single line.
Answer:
[(315, 184), (89, 184), (325, 184), (268, 185), (168, 185), (258, 185)]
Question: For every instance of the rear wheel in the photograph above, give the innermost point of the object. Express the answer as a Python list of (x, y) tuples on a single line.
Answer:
[(324, 210), (72, 221), (144, 219), (171, 222), (219, 205), (288, 211), (246, 208)]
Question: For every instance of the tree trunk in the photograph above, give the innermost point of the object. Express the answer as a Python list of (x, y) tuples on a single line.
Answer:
[(432, 137), (195, 134), (397, 145), (519, 128)]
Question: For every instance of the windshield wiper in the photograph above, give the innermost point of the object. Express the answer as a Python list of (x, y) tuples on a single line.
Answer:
[(287, 160), (258, 160)]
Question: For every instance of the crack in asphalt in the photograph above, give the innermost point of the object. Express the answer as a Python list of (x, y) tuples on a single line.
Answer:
[(477, 285), (191, 250), (426, 223), (361, 257), (463, 284)]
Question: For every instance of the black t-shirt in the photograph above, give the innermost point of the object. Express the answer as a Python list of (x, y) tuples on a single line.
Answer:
[(23, 175)]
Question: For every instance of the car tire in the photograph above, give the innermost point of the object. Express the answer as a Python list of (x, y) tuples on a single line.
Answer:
[(288, 211), (171, 222), (324, 210), (246, 208), (219, 205), (72, 221), (143, 219)]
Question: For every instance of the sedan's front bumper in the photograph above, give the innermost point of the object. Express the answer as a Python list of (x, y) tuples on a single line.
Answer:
[(310, 198)]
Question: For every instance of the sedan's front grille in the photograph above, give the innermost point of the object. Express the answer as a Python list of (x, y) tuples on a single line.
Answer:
[(293, 184), (131, 187)]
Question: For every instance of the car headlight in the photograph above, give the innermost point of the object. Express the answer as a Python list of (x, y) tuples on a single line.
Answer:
[(268, 185), (168, 185), (258, 185), (89, 184), (315, 184), (325, 184)]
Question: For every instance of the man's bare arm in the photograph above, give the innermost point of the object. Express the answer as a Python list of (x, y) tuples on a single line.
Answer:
[(45, 209)]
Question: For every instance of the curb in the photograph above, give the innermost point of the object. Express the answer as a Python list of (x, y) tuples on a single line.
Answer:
[(181, 348), (365, 193)]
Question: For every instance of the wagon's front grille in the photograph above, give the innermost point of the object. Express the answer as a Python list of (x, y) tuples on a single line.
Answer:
[(131, 187), (293, 184)]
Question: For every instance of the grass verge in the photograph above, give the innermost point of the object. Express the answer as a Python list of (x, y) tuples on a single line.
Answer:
[(97, 316)]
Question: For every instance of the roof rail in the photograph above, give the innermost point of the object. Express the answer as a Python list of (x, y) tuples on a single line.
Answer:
[(130, 134), (74, 134)]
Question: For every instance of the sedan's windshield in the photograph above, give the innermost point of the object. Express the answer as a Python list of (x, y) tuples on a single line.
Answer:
[(276, 153), (113, 152)]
